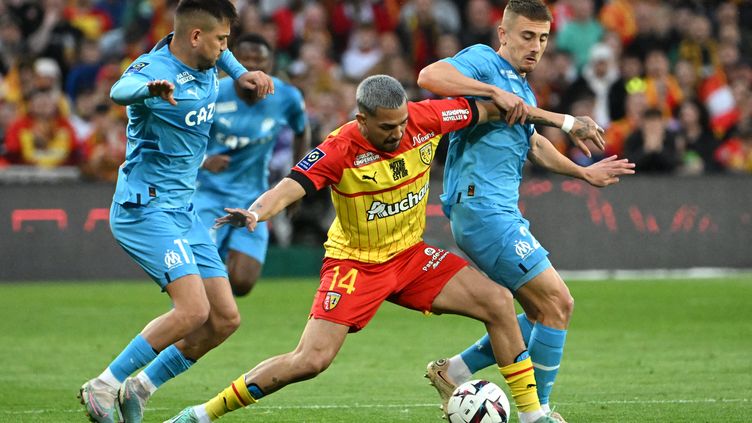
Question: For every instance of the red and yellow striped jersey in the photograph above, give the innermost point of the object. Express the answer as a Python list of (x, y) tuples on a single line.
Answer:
[(380, 198)]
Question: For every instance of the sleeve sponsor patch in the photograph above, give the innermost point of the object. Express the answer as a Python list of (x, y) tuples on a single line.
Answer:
[(454, 115), (311, 159), (136, 67)]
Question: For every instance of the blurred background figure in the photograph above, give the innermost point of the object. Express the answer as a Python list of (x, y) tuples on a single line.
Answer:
[(652, 147)]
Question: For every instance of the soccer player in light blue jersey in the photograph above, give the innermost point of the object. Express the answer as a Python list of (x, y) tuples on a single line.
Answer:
[(236, 170), (481, 190), (171, 94)]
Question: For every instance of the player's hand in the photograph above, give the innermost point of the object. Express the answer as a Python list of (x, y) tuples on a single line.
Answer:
[(217, 163), (585, 129), (257, 81), (607, 171), (237, 218), (162, 88), (515, 108)]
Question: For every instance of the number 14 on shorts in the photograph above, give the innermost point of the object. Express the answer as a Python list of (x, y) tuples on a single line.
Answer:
[(347, 281)]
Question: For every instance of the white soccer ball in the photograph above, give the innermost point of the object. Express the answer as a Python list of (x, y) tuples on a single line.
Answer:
[(478, 401)]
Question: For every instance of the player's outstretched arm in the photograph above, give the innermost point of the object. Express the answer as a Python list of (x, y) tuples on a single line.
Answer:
[(600, 174), (132, 89), (442, 78), (265, 207), (580, 128)]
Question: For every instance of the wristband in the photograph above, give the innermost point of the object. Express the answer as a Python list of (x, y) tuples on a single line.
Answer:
[(254, 214), (568, 123)]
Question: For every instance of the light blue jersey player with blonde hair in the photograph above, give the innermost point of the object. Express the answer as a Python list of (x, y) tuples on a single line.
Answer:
[(236, 171), (171, 96), (481, 190)]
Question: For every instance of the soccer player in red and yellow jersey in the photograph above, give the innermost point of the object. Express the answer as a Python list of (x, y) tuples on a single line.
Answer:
[(378, 168)]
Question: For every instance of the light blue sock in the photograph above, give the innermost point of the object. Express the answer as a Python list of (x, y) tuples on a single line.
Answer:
[(546, 347), (169, 363), (137, 354), (526, 327), (479, 355)]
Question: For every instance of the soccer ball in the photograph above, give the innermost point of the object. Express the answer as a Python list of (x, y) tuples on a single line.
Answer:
[(478, 401)]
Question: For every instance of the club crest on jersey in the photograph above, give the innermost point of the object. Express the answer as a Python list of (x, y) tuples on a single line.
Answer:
[(426, 154), (331, 300), (172, 259), (311, 159), (136, 67), (366, 158)]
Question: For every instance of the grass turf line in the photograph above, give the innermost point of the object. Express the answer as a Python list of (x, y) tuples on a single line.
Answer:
[(637, 351)]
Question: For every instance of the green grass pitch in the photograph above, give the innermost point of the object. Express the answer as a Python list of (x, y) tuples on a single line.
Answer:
[(637, 351)]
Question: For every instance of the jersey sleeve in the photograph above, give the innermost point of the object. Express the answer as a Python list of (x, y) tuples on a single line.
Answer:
[(473, 61), (131, 87), (296, 114), (443, 116), (321, 167), (228, 63)]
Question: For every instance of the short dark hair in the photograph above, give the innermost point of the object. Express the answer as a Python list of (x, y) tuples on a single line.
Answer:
[(652, 113), (252, 38), (535, 10), (220, 9)]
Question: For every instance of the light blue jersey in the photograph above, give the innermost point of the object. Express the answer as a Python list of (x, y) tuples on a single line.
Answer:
[(247, 133), (482, 178), (152, 217), (485, 161), (166, 143)]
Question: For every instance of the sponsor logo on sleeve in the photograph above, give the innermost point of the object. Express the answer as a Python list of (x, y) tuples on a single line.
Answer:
[(455, 115), (136, 67), (311, 159)]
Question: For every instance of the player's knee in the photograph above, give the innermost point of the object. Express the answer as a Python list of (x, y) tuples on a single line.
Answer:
[(495, 303), (193, 317), (228, 324), (566, 307), (242, 286), (311, 365)]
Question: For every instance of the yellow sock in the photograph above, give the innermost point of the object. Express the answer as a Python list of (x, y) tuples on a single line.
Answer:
[(521, 381), (233, 397)]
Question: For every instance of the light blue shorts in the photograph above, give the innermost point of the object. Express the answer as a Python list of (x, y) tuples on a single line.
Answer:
[(166, 243), (253, 244), (500, 244)]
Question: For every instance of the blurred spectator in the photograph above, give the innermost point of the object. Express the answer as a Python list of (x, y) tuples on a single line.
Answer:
[(349, 15), (654, 31), (421, 24), (580, 34), (55, 37), (104, 148), (42, 136), (551, 78), (480, 27), (598, 76), (89, 19), (85, 70), (447, 45), (619, 16), (362, 54), (686, 77), (736, 153), (699, 48), (620, 129), (652, 148), (11, 42), (661, 89), (695, 139), (630, 80)]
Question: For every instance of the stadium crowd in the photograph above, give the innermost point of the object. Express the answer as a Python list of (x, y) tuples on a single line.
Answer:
[(671, 81)]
